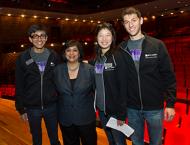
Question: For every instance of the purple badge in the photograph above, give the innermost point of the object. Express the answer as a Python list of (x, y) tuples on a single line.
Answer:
[(41, 65), (136, 54), (99, 68)]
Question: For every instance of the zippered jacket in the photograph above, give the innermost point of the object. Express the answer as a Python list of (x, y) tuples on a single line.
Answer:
[(155, 81), (114, 85), (34, 90)]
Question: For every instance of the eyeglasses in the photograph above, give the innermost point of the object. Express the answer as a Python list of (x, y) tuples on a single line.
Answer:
[(42, 36)]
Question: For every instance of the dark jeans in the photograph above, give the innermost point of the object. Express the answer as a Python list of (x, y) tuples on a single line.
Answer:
[(114, 137), (49, 115), (72, 135), (154, 120)]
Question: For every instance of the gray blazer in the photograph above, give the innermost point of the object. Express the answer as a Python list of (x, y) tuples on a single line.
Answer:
[(75, 106)]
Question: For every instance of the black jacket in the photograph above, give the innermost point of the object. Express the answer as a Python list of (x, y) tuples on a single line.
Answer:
[(34, 90), (156, 76), (76, 106), (115, 85)]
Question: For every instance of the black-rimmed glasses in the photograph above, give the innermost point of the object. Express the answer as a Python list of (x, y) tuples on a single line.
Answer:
[(35, 36)]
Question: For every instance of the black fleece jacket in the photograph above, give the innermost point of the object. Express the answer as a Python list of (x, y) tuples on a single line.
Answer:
[(34, 90), (115, 85), (155, 81)]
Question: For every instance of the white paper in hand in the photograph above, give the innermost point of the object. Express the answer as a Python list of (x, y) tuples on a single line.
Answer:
[(126, 129)]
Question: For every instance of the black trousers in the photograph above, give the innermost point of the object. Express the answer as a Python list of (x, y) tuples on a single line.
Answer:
[(49, 115), (73, 135)]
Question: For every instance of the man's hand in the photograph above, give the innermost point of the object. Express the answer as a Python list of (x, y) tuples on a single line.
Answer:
[(24, 117), (169, 114)]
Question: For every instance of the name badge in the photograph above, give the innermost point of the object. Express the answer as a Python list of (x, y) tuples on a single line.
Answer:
[(29, 61)]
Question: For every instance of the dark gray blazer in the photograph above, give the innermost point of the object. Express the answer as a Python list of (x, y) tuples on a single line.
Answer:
[(75, 106)]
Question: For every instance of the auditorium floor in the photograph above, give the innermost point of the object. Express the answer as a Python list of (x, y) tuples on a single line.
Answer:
[(13, 131)]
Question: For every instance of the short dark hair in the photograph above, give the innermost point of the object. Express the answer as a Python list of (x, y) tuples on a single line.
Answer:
[(72, 43), (131, 10), (36, 27), (111, 29)]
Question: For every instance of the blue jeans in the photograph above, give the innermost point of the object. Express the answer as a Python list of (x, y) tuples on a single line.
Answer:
[(49, 115), (154, 120), (114, 137)]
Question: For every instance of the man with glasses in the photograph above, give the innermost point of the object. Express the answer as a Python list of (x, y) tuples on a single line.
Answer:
[(35, 91)]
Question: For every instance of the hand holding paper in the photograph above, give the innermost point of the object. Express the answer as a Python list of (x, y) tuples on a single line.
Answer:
[(126, 129)]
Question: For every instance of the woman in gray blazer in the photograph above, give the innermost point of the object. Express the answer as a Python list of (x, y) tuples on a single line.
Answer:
[(75, 85)]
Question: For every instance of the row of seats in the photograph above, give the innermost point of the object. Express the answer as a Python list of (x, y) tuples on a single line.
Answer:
[(179, 50), (7, 90)]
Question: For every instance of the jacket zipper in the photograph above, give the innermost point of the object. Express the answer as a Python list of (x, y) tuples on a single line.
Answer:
[(104, 88), (42, 103), (42, 78), (138, 76), (140, 95)]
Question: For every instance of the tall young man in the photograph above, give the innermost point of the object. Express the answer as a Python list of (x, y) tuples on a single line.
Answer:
[(149, 77), (35, 91)]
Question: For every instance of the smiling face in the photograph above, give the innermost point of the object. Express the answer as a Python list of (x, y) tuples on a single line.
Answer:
[(132, 24), (104, 38), (38, 39), (72, 54)]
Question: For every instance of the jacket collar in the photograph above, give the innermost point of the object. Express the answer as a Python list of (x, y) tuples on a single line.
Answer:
[(78, 79), (123, 44)]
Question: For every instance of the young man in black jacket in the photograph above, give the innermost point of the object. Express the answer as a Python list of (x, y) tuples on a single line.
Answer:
[(149, 76), (35, 91)]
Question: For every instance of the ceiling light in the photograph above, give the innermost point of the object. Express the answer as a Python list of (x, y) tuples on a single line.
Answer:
[(84, 20), (182, 11), (22, 15), (35, 17), (9, 15), (145, 18), (46, 17), (153, 17)]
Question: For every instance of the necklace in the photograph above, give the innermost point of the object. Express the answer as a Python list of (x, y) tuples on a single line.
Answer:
[(71, 69)]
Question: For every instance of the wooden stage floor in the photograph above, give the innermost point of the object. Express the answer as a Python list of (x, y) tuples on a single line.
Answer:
[(13, 131)]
